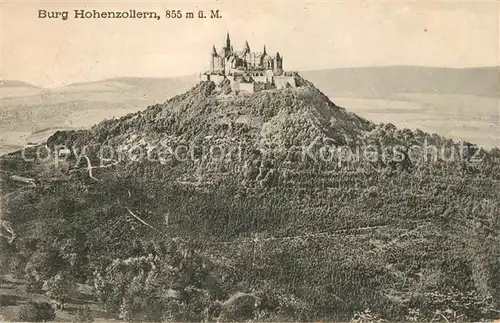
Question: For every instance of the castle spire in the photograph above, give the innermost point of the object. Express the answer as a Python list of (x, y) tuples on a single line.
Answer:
[(228, 41), (246, 48), (265, 50), (278, 55), (214, 51)]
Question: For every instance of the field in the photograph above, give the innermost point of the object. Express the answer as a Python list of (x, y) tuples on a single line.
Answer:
[(30, 114), (448, 115)]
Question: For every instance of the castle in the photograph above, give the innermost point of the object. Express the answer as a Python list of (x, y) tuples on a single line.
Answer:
[(246, 70)]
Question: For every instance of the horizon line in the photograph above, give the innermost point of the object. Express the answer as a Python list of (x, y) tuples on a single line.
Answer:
[(63, 84)]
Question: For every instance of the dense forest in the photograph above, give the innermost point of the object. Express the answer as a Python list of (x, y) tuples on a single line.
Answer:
[(265, 230)]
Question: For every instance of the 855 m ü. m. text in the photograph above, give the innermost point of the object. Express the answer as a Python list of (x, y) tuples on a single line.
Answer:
[(127, 14)]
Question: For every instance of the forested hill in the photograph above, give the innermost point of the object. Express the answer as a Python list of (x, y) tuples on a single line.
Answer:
[(195, 208)]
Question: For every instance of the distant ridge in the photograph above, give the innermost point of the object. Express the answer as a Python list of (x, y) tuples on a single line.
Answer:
[(139, 81), (383, 81), (377, 81), (15, 83)]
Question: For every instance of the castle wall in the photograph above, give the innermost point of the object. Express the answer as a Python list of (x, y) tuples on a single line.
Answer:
[(259, 87), (280, 81), (263, 86), (213, 77), (248, 87), (262, 78), (269, 73), (217, 78), (260, 82)]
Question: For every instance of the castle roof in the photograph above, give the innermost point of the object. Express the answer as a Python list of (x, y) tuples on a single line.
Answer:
[(246, 48), (265, 56)]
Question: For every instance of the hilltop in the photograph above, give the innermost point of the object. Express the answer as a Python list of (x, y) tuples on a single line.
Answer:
[(300, 235), (276, 122)]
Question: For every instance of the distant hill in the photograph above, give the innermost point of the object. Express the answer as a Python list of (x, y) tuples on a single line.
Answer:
[(381, 82), (25, 110), (14, 83), (165, 87), (457, 103)]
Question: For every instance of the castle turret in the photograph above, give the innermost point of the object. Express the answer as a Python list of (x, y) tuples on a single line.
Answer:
[(213, 57), (278, 66), (246, 48), (266, 61), (228, 49)]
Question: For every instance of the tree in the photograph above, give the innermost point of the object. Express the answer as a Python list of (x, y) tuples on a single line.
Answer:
[(83, 314), (58, 288), (36, 312)]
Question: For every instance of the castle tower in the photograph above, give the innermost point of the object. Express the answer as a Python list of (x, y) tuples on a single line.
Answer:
[(228, 48), (213, 57), (278, 66), (245, 55), (246, 48), (266, 61)]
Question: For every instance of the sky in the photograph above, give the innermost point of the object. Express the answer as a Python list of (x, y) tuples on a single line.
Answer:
[(309, 35)]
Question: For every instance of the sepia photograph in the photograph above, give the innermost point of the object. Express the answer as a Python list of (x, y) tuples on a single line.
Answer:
[(250, 161)]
